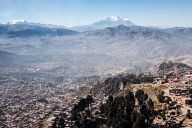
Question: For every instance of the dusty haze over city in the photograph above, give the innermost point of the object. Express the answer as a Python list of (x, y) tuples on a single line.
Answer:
[(95, 63)]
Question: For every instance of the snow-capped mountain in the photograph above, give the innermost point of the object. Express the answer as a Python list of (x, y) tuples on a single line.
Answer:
[(17, 21), (25, 22), (29, 29), (112, 21)]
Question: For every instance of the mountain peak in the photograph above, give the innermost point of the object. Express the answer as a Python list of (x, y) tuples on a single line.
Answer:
[(17, 21), (111, 21), (117, 18), (25, 22)]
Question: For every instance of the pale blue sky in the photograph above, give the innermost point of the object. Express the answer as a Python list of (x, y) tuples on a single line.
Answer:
[(78, 12)]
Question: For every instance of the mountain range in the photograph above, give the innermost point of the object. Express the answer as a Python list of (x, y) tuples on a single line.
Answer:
[(26, 29), (107, 46)]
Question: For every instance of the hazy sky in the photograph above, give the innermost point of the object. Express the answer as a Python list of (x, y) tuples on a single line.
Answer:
[(78, 12)]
